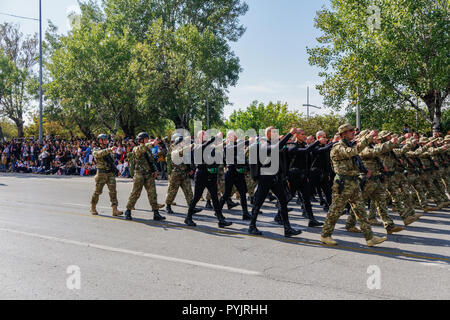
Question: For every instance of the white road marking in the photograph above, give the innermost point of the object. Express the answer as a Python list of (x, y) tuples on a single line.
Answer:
[(136, 253)]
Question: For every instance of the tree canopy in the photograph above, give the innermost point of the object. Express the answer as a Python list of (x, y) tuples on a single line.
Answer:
[(384, 54)]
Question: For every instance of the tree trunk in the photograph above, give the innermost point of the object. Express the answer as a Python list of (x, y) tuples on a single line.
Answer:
[(86, 131), (1, 134), (434, 105), (19, 124)]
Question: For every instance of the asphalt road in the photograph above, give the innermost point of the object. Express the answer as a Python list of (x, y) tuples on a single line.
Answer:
[(52, 248)]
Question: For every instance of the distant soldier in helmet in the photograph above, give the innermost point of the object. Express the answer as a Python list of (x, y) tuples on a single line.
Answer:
[(179, 174), (106, 174), (144, 176)]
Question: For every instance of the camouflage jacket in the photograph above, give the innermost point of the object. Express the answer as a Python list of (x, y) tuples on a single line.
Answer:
[(343, 156), (180, 169), (99, 157), (390, 153), (423, 154), (143, 159), (371, 157)]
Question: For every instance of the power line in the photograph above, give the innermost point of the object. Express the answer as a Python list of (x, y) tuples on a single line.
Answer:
[(21, 17)]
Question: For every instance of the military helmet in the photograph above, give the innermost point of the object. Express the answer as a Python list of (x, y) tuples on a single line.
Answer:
[(178, 140), (175, 136), (345, 127), (364, 132), (102, 136), (384, 134), (142, 136), (424, 140)]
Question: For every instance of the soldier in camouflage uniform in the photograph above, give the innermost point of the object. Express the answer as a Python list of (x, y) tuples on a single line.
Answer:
[(106, 174), (144, 176), (436, 152), (395, 179), (424, 154), (346, 188), (374, 188), (414, 168), (179, 175)]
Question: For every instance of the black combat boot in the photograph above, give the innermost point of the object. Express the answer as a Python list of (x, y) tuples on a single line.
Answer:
[(189, 220), (169, 209), (313, 223), (246, 216), (252, 200), (254, 231), (128, 215), (208, 204), (289, 232), (231, 204), (157, 216), (271, 197), (197, 210), (278, 219)]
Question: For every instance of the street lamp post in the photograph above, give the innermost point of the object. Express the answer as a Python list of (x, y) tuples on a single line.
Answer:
[(308, 105), (40, 72)]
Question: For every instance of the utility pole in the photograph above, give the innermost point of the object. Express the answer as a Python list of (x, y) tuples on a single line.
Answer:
[(40, 72), (308, 105), (358, 111), (207, 114)]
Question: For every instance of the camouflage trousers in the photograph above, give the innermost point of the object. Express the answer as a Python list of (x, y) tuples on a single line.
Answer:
[(100, 180), (251, 185), (427, 180), (419, 189), (376, 192), (351, 194), (177, 181), (439, 184), (400, 196), (140, 181)]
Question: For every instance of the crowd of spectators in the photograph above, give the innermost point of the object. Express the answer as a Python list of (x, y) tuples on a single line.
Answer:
[(69, 157)]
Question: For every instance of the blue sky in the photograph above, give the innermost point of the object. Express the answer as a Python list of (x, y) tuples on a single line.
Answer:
[(272, 51)]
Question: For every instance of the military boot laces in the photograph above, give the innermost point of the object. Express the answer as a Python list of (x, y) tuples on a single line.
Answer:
[(375, 241), (116, 212), (128, 215)]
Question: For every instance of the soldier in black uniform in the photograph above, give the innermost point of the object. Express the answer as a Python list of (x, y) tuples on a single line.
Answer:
[(206, 177), (321, 169), (237, 167), (268, 181), (299, 173)]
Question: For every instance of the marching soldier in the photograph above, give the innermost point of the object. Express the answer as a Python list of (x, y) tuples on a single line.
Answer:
[(206, 177), (346, 188), (144, 176), (106, 174), (374, 188), (179, 175)]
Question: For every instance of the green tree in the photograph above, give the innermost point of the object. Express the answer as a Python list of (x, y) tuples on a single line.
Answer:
[(259, 116), (180, 70), (403, 58), (18, 56)]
